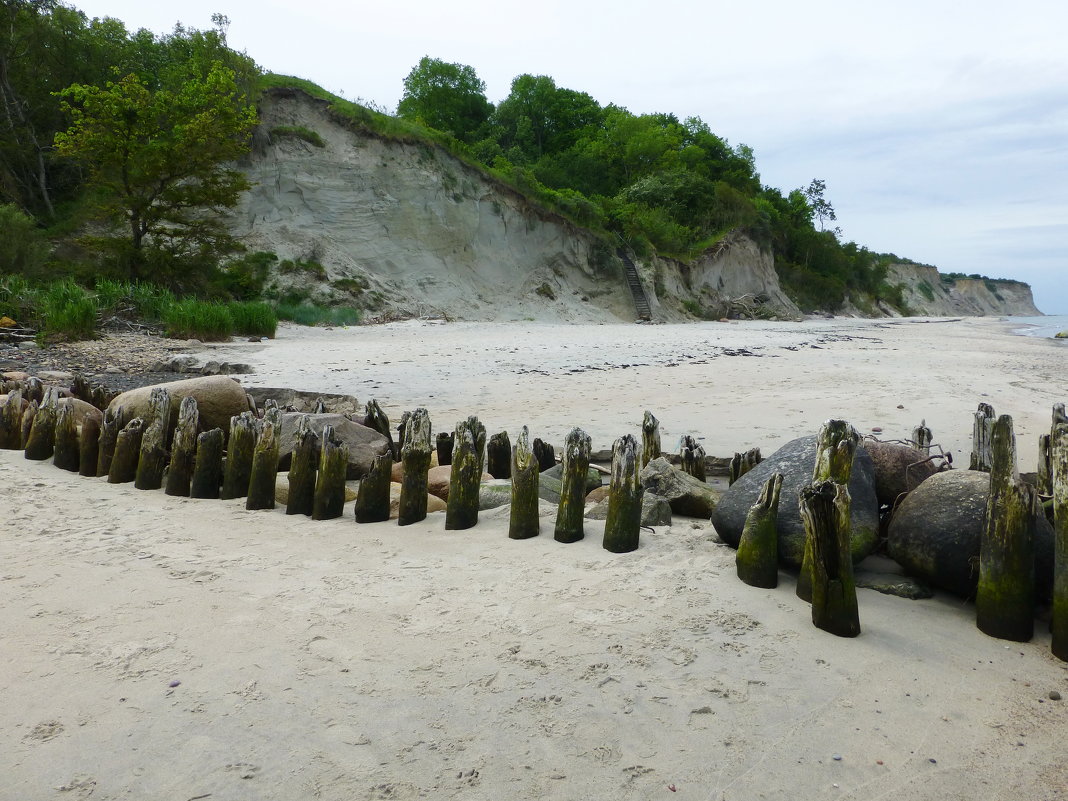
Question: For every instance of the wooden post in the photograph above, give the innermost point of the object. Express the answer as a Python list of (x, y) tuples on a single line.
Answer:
[(1043, 479), (239, 456), (402, 428), (445, 443), (264, 472), (757, 560), (11, 421), (207, 468), (154, 442), (982, 425), (1005, 597), (372, 497), (183, 448), (375, 418), (29, 414), (329, 499), (650, 438), (576, 464), (499, 456), (921, 438), (466, 476), (302, 469), (89, 447), (1059, 623), (825, 514), (416, 457), (523, 522), (109, 433), (545, 454), (692, 455), (33, 390), (127, 450), (623, 524), (81, 389), (742, 463), (67, 452), (40, 444)]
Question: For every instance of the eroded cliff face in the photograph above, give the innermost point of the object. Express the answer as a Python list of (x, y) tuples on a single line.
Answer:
[(930, 294)]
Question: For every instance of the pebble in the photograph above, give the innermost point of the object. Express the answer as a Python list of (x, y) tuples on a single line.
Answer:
[(174, 683), (837, 757), (1054, 695), (877, 430)]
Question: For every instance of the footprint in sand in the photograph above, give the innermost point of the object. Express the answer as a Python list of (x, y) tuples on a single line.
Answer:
[(43, 732)]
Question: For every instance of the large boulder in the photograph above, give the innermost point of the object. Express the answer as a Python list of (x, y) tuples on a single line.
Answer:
[(593, 477), (433, 503), (218, 399), (688, 496), (498, 491), (935, 533), (82, 410), (299, 400), (656, 511), (795, 460), (899, 469), (364, 443), (439, 477), (281, 490)]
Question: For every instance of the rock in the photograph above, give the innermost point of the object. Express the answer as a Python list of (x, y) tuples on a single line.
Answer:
[(82, 410), (176, 364), (297, 400), (364, 443), (687, 495), (892, 584), (54, 376), (498, 491), (15, 375), (896, 469), (795, 460), (7, 322), (397, 471), (218, 399), (281, 490), (28, 345), (656, 510), (593, 478), (1061, 335), (225, 368), (438, 478), (433, 503), (597, 495), (936, 530)]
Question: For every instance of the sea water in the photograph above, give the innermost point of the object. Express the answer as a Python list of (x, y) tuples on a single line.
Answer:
[(1047, 326)]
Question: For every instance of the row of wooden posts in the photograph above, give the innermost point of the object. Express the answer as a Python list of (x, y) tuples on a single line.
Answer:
[(1005, 596)]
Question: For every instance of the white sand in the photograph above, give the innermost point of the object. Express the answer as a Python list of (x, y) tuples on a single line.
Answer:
[(334, 661)]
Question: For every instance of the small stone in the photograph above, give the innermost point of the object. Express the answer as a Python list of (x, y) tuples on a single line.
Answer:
[(876, 430), (1054, 695), (900, 406), (174, 683), (28, 345), (933, 761), (837, 757)]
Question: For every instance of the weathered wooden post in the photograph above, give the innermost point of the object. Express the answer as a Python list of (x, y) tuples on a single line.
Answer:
[(825, 514), (183, 449), (154, 442), (402, 428), (1005, 597), (1043, 479), (576, 464), (545, 454), (757, 560), (67, 452), (982, 425), (102, 396), (1059, 463), (29, 414), (207, 468), (623, 524), (239, 456), (650, 438), (127, 451), (523, 522), (11, 421), (330, 481), (40, 444), (444, 444), (461, 511), (88, 447), (302, 469), (742, 463), (34, 390), (109, 434), (499, 456), (375, 418), (922, 438), (264, 473), (692, 456), (416, 457), (372, 497), (81, 389)]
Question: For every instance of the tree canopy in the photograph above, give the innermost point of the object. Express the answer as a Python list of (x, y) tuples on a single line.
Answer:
[(447, 97)]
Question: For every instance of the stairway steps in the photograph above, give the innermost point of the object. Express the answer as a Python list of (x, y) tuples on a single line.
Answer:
[(637, 291)]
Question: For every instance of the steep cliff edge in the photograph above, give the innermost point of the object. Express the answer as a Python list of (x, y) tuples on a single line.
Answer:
[(931, 294)]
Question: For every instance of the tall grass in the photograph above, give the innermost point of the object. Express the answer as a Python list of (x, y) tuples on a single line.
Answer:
[(253, 319), (198, 319), (308, 314), (67, 310)]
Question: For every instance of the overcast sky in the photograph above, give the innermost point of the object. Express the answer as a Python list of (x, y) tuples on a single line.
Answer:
[(940, 127)]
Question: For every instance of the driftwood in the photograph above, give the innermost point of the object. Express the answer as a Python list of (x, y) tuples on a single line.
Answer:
[(982, 426), (66, 452), (372, 497), (523, 522), (742, 463), (1005, 597), (576, 464), (692, 457), (444, 445), (127, 452), (109, 433), (1059, 463), (757, 559), (264, 473), (88, 447), (375, 418), (302, 469), (207, 467), (239, 452), (650, 438), (825, 514), (499, 455), (183, 449), (415, 454), (329, 501), (466, 476), (623, 523)]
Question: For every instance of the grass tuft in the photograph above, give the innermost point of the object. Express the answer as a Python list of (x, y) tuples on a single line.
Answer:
[(309, 314), (197, 319)]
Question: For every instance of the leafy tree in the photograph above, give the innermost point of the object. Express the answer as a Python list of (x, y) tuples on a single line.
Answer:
[(539, 118), (446, 97), (156, 160), (821, 207)]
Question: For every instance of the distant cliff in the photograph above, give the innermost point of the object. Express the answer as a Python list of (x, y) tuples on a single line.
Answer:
[(930, 294)]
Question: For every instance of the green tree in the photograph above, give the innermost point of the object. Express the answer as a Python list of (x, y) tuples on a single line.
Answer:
[(539, 118), (821, 207), (156, 159), (446, 97)]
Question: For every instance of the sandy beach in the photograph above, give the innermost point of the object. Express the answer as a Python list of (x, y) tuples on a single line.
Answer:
[(169, 648)]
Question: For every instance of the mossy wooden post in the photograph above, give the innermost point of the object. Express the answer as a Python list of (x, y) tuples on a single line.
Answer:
[(1043, 479), (1005, 597), (67, 453), (416, 457), (302, 469), (329, 501), (576, 464), (109, 434), (545, 454), (41, 442), (153, 456), (836, 445), (127, 452), (461, 510), (825, 514), (742, 463), (88, 446), (1059, 465), (402, 428), (444, 444), (374, 418), (29, 414), (264, 473), (207, 467), (11, 421), (183, 449), (81, 389), (982, 425), (372, 497), (34, 390), (523, 522), (692, 457), (650, 438), (921, 438), (499, 456), (623, 524), (239, 456), (757, 560)]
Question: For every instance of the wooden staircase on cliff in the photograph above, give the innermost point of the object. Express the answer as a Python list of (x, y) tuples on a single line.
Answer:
[(641, 300)]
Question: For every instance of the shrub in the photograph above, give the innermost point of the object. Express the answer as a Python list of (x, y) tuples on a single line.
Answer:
[(253, 319), (244, 278), (197, 319), (18, 300), (308, 314), (926, 290), (22, 249)]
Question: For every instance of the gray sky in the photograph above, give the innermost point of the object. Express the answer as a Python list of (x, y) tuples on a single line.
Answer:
[(940, 127)]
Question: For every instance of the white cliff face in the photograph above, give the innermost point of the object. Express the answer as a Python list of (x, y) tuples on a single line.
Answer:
[(927, 294)]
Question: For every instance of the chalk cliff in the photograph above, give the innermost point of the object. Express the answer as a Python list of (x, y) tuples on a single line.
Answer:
[(928, 293)]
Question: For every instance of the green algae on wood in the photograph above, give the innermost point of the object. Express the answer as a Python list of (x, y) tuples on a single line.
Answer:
[(372, 496), (302, 465), (109, 433), (67, 454), (757, 559), (825, 514), (576, 465), (329, 501), (623, 522), (1059, 469), (239, 450), (153, 456), (523, 522), (88, 446), (415, 454), (41, 441), (183, 448), (208, 465), (127, 452), (465, 478), (11, 421), (264, 474)]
